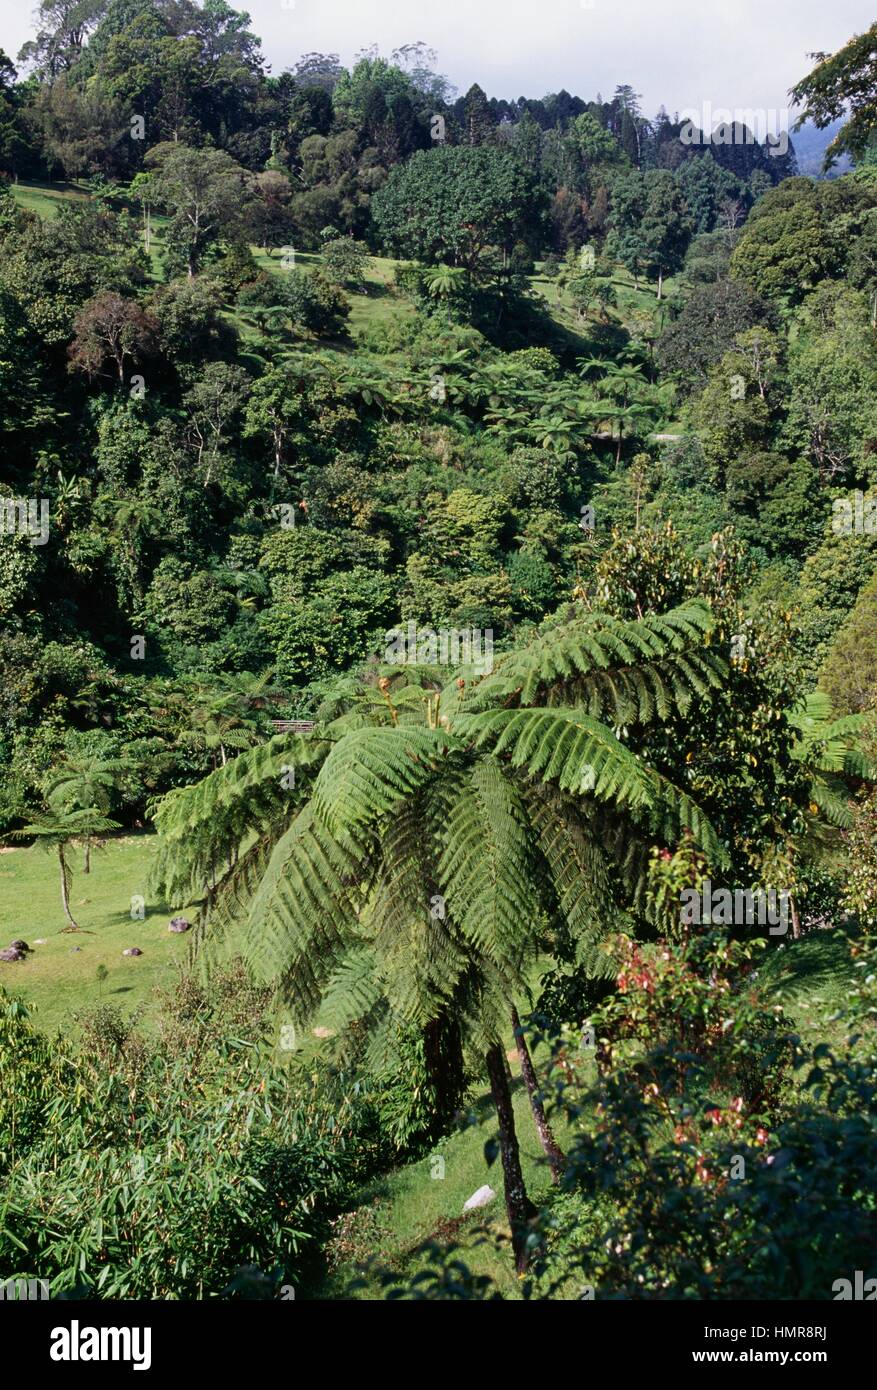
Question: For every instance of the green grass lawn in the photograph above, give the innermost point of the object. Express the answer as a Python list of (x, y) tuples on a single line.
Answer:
[(379, 305), (58, 979), (43, 198), (637, 308)]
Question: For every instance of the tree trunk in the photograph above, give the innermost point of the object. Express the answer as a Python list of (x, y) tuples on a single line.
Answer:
[(553, 1152), (86, 858), (65, 899), (443, 1051), (518, 1206), (660, 282), (796, 920)]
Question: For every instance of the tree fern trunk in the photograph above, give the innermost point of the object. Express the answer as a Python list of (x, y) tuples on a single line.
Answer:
[(518, 1206), (65, 889), (796, 920), (553, 1151), (443, 1049)]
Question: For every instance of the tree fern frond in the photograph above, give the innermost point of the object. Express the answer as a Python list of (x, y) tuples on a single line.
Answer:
[(226, 907), (612, 667), (304, 915), (674, 812), (202, 827), (487, 866), (575, 862), (353, 990), (832, 798), (408, 920), (373, 769), (564, 746)]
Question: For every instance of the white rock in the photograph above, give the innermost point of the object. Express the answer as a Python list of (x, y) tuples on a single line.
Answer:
[(480, 1198)]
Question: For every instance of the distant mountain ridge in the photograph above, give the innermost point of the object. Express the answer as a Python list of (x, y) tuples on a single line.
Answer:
[(810, 145)]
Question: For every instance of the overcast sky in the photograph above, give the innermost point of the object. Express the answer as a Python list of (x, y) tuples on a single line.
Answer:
[(744, 53)]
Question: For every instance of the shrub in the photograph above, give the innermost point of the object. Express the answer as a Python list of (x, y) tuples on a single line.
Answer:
[(137, 1169)]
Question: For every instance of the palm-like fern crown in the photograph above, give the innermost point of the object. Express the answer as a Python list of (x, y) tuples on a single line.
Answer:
[(831, 750), (432, 833)]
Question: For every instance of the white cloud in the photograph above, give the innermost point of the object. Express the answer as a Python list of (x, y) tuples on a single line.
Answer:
[(728, 52)]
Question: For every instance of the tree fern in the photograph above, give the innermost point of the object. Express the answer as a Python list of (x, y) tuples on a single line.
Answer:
[(304, 912), (487, 868), (625, 671), (832, 752), (434, 833)]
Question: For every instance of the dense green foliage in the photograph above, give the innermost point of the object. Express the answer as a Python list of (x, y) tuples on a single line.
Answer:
[(449, 522)]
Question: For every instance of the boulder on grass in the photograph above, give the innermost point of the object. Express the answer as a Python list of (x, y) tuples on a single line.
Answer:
[(20, 946), (178, 924), (12, 953), (133, 951), (480, 1198)]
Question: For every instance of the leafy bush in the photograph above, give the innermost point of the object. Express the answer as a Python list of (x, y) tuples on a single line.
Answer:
[(143, 1169), (707, 1175), (306, 301)]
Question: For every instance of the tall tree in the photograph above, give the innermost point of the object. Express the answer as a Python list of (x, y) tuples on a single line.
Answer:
[(63, 28), (843, 85), (111, 329), (54, 830), (452, 204), (205, 193), (84, 782), (505, 804)]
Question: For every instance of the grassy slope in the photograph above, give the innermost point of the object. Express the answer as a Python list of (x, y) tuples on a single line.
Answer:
[(58, 979), (378, 305), (637, 309), (43, 198), (408, 1206)]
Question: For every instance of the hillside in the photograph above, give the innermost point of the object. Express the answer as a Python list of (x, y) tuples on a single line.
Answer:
[(438, 562)]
